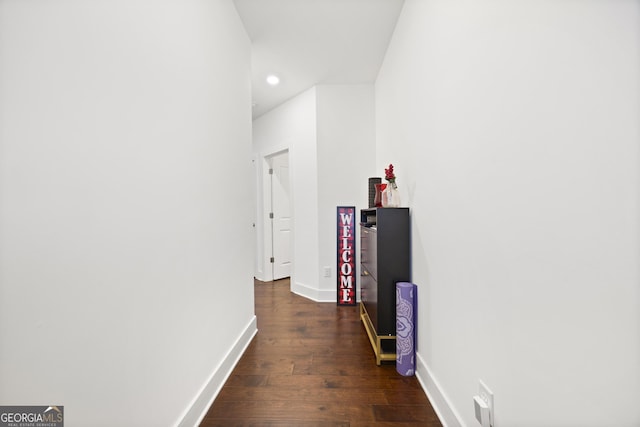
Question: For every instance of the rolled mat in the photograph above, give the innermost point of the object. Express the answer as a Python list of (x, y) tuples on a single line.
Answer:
[(406, 299)]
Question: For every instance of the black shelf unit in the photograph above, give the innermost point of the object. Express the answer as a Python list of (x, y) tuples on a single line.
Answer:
[(385, 259)]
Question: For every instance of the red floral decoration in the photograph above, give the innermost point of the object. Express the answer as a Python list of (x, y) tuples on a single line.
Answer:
[(390, 176)]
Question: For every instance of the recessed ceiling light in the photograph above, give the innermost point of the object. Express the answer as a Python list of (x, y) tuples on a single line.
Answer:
[(273, 80)]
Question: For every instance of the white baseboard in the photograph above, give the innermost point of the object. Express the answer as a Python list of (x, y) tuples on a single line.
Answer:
[(317, 295), (200, 405), (448, 416)]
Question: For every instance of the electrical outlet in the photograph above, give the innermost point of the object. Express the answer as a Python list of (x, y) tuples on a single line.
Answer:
[(487, 396), (482, 411), (327, 271)]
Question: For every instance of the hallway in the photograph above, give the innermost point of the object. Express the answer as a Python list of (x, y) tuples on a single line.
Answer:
[(311, 365)]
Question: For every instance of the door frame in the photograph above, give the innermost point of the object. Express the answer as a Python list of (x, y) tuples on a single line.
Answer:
[(264, 241), (281, 241)]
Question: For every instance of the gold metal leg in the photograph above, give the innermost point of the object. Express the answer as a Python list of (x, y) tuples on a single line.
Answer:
[(375, 339)]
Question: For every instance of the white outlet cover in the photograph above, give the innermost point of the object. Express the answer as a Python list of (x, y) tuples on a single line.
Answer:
[(487, 395)]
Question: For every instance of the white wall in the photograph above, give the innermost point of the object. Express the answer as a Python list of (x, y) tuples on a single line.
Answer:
[(346, 160), (292, 126), (329, 131), (125, 255), (515, 131)]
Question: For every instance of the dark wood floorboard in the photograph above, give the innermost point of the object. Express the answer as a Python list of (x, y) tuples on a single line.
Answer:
[(311, 365)]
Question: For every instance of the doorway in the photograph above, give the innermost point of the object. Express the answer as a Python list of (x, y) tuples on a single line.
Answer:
[(279, 223)]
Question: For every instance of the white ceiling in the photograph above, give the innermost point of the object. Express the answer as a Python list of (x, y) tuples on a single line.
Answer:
[(309, 42)]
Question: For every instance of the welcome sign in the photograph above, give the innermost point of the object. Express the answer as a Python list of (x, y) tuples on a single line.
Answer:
[(346, 237)]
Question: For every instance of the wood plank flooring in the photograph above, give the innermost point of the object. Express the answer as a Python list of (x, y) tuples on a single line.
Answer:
[(311, 365)]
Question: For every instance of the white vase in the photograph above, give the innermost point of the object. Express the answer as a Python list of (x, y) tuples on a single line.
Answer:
[(391, 196)]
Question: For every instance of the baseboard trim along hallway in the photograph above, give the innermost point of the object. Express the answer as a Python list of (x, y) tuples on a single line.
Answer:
[(198, 409), (316, 295), (439, 402)]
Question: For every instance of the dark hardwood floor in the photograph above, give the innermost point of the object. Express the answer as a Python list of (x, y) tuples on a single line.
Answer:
[(311, 365)]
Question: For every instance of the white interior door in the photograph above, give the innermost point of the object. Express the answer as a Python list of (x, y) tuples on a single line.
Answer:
[(281, 221)]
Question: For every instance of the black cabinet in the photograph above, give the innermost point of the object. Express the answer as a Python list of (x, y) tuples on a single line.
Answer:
[(385, 258)]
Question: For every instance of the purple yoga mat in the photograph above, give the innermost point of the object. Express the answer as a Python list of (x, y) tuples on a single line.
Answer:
[(405, 328)]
